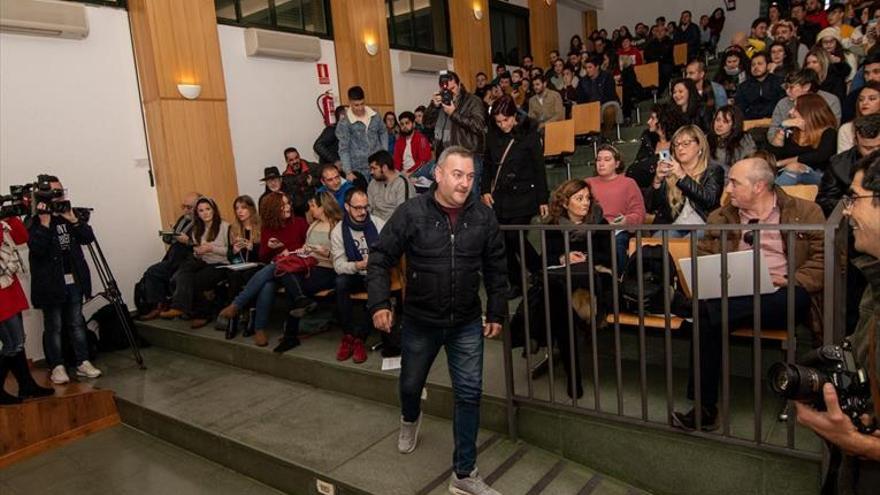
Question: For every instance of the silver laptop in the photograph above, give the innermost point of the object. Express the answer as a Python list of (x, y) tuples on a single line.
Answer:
[(740, 275)]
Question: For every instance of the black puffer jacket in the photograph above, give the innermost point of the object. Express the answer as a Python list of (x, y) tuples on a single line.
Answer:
[(522, 182), (47, 260), (704, 195), (443, 265)]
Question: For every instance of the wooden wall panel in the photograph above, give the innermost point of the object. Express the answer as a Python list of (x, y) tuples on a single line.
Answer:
[(177, 42), (471, 40), (356, 67), (543, 30), (190, 142), (591, 23)]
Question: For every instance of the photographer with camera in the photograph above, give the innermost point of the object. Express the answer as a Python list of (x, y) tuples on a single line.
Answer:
[(857, 470), (12, 303), (60, 277), (458, 119)]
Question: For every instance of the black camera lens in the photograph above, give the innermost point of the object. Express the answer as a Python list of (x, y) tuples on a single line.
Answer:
[(796, 382)]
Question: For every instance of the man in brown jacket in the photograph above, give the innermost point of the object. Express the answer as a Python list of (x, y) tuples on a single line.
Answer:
[(754, 200), (546, 105)]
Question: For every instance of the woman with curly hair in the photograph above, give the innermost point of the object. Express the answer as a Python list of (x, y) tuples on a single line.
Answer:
[(282, 234), (572, 204), (782, 62), (685, 186), (684, 94)]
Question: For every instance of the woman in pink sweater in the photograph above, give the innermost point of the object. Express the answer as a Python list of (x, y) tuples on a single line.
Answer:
[(618, 195)]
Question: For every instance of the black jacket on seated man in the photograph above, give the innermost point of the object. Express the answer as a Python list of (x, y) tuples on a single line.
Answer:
[(837, 179), (602, 89), (443, 263), (757, 99)]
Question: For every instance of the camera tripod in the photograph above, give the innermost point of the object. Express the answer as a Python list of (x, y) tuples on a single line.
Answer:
[(112, 294)]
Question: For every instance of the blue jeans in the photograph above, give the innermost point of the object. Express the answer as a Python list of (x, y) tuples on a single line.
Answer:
[(788, 178), (464, 353), (262, 288), (65, 315), (11, 336)]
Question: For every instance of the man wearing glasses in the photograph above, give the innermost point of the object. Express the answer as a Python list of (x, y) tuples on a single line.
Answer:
[(754, 200), (350, 243), (859, 469), (157, 278)]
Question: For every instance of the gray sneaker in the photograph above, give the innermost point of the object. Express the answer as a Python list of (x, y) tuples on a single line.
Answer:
[(472, 485), (409, 435)]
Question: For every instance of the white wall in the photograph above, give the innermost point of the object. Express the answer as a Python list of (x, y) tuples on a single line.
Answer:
[(71, 108), (271, 106), (412, 89), (570, 21), (630, 12)]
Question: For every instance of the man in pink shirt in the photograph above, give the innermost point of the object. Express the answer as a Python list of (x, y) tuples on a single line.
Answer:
[(755, 200)]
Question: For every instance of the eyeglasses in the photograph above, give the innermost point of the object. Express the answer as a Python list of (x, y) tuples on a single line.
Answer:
[(849, 200), (684, 143), (749, 237)]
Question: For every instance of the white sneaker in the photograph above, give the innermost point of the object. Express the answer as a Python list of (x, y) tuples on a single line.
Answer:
[(409, 435), (472, 485), (87, 370), (59, 375)]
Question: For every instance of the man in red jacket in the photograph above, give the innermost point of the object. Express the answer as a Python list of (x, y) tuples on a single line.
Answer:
[(413, 151)]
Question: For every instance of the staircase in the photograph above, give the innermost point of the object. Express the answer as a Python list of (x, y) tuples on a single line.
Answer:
[(299, 438)]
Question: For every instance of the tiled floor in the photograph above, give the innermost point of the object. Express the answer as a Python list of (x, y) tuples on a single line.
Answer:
[(123, 461)]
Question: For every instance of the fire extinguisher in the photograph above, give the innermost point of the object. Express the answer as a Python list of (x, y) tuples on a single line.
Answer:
[(327, 107)]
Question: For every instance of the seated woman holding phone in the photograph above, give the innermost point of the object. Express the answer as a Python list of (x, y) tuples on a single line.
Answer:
[(244, 249), (806, 142), (283, 233), (686, 186), (619, 196), (325, 213)]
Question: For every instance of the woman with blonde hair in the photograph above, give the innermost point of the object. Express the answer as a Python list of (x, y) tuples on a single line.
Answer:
[(807, 140), (686, 187), (832, 76)]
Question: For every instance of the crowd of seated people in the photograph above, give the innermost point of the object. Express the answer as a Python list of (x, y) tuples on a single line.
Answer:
[(816, 92)]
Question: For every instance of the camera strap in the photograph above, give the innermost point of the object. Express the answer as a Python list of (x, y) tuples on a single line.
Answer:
[(501, 166)]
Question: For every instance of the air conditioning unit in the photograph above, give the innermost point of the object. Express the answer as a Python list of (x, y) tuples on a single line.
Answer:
[(422, 62), (44, 18), (288, 46)]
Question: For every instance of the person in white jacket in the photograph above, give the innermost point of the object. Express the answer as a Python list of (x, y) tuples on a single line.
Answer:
[(350, 243)]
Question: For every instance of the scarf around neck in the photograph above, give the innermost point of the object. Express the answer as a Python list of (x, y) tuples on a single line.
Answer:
[(370, 235)]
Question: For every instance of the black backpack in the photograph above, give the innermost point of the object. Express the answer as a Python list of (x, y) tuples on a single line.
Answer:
[(653, 259), (113, 336), (140, 298)]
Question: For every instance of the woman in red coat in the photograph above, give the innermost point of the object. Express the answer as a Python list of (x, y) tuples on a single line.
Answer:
[(12, 303)]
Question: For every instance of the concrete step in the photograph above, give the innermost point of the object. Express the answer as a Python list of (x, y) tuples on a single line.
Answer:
[(540, 423), (290, 435)]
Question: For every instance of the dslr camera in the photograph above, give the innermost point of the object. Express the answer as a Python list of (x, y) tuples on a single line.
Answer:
[(828, 364), (445, 92)]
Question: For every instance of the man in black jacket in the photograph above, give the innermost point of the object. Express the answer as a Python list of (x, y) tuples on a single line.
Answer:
[(835, 183), (758, 96), (327, 145), (688, 32), (448, 238), (60, 279), (659, 49), (599, 85)]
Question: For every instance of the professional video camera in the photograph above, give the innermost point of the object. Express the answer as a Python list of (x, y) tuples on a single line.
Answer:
[(23, 200), (828, 364)]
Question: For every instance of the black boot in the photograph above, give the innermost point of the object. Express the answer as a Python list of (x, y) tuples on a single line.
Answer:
[(232, 328), (5, 398), (290, 338), (27, 387)]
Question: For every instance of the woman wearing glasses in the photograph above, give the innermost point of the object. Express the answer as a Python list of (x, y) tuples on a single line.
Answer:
[(686, 187)]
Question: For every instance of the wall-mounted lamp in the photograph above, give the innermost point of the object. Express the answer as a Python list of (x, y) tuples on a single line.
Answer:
[(189, 91), (548, 2), (371, 45), (478, 11)]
